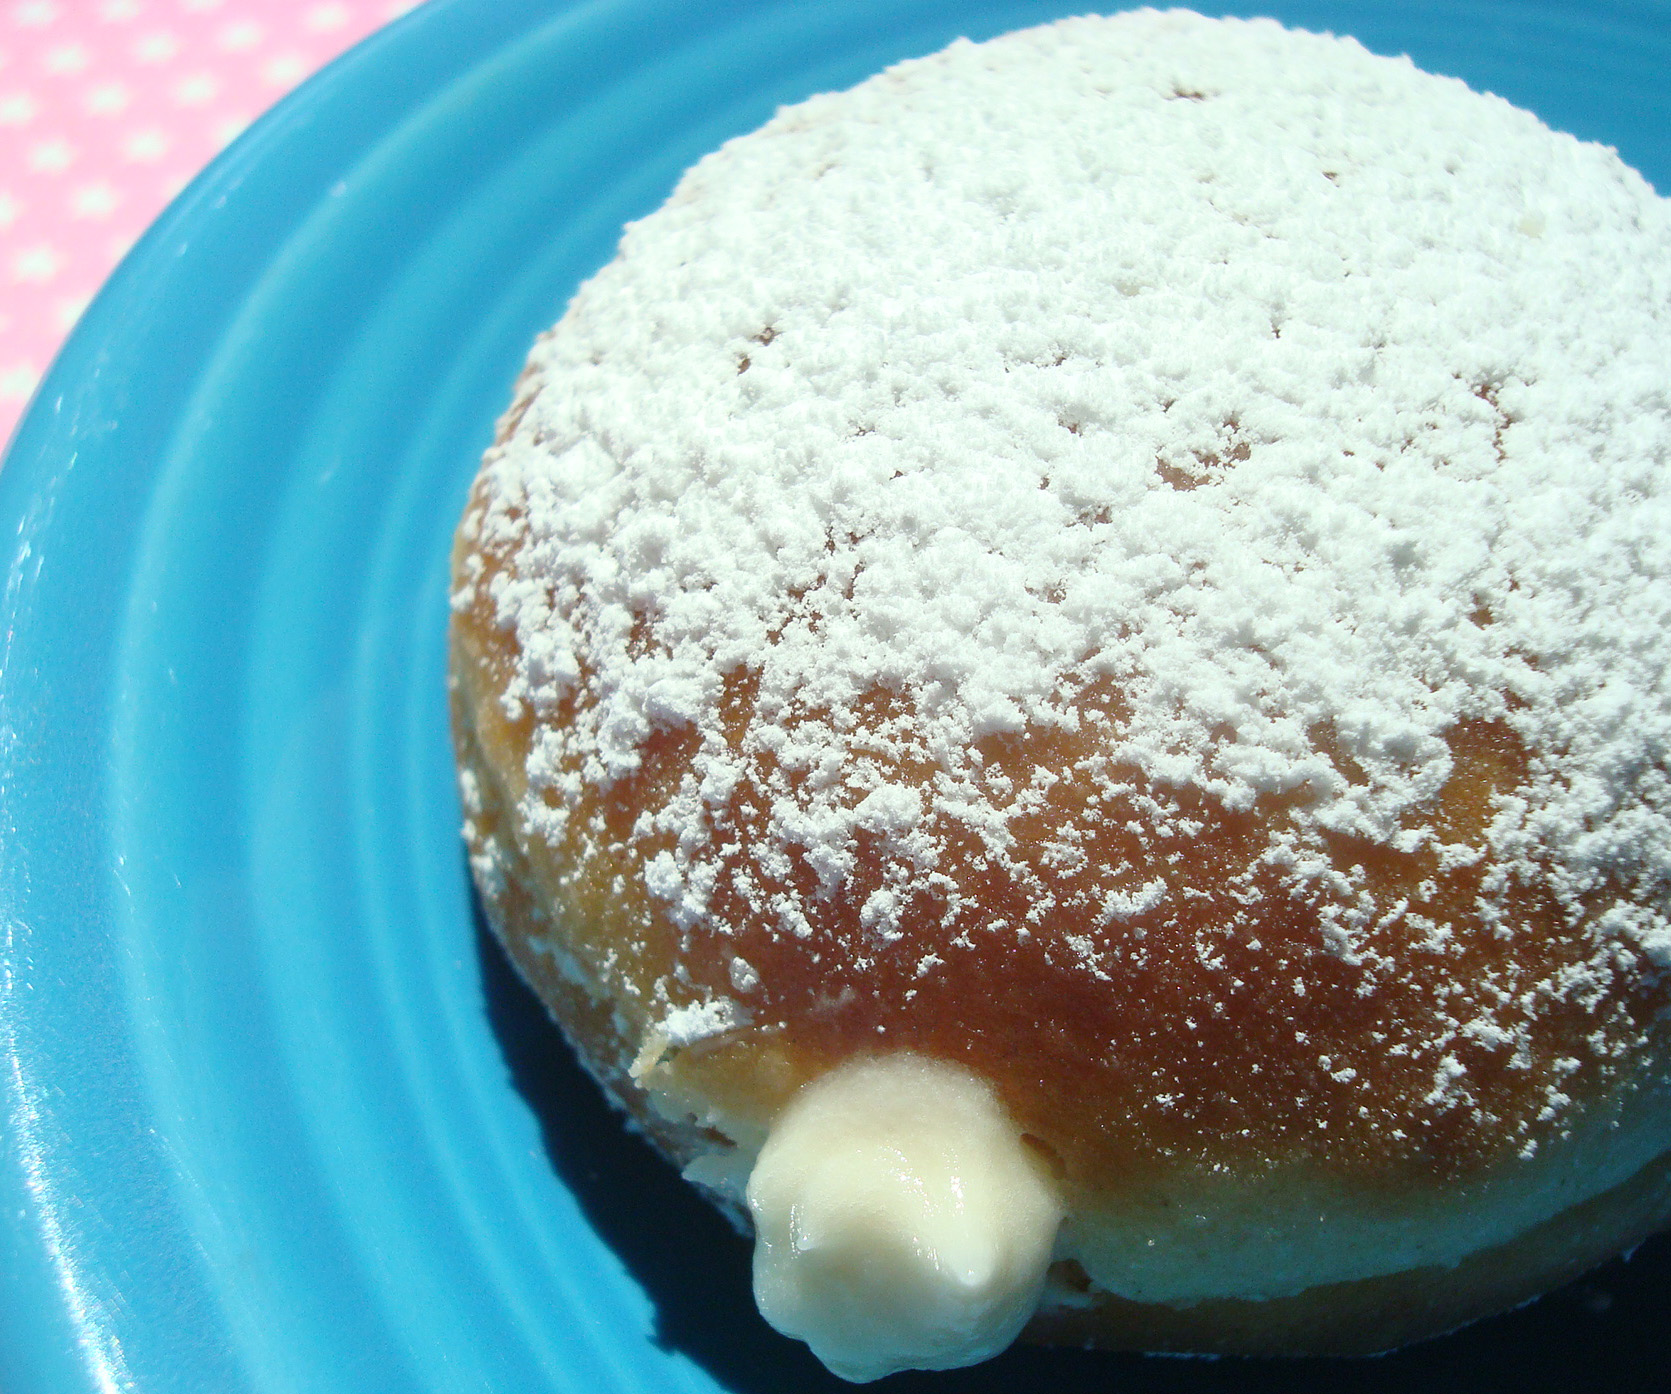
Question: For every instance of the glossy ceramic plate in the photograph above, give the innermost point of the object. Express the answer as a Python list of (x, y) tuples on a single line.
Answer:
[(276, 1115)]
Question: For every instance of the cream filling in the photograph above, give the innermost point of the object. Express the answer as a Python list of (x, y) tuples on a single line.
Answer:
[(900, 1221)]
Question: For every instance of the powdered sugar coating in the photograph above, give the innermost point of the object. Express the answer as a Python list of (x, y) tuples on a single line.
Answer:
[(1275, 409)]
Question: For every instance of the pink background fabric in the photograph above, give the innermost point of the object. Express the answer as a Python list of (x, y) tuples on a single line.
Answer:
[(107, 109)]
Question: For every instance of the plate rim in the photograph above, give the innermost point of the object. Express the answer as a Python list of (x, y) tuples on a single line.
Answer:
[(53, 1333)]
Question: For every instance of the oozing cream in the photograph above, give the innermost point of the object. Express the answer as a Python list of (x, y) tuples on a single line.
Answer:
[(900, 1220)]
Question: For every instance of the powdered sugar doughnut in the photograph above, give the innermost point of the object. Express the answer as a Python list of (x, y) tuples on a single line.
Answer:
[(1112, 585)]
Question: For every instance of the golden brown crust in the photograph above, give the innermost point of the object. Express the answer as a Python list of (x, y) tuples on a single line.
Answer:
[(1232, 1014), (1200, 1062), (1357, 1317)]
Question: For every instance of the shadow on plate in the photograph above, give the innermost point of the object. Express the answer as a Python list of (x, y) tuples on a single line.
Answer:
[(1604, 1333)]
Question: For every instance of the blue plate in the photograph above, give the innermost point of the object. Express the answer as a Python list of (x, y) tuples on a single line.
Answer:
[(277, 1117)]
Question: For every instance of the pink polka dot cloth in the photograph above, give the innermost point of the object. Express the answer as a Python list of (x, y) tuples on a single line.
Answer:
[(107, 109)]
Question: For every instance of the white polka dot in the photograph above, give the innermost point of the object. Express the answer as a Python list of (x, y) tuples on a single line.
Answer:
[(66, 58), (145, 147), (18, 381), (95, 200), (31, 14), (51, 156), (200, 6), (35, 264), (68, 310), (285, 70), (9, 209), (107, 99), (196, 89), (396, 8), (156, 48), (323, 17), (17, 109), (237, 37), (116, 11), (229, 130)]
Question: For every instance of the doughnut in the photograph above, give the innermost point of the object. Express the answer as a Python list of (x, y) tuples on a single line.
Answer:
[(1060, 678)]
